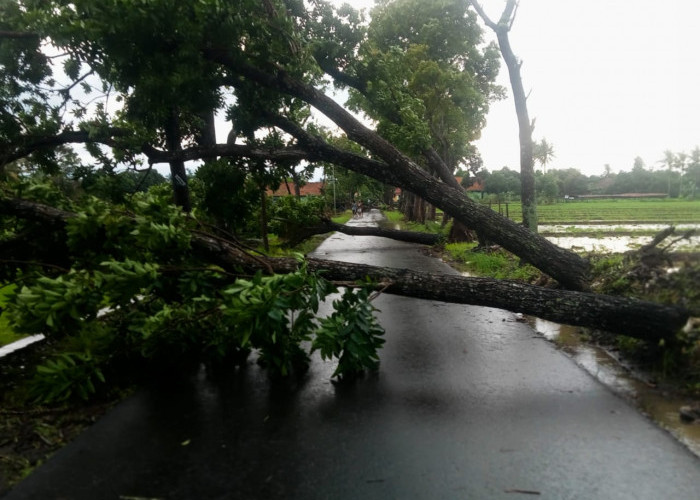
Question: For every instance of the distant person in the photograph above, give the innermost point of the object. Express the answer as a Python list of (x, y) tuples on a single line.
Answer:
[(359, 209), (354, 210)]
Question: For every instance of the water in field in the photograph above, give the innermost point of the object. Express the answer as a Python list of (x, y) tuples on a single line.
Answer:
[(565, 236), (659, 406)]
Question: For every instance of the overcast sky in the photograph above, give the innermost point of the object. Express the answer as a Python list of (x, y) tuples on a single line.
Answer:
[(609, 80)]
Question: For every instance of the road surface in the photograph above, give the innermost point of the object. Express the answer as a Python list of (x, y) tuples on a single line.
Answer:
[(468, 404)]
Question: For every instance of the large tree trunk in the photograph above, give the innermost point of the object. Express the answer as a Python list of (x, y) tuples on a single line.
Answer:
[(399, 170), (630, 317), (527, 165), (329, 226), (207, 132), (178, 174), (263, 219), (621, 315)]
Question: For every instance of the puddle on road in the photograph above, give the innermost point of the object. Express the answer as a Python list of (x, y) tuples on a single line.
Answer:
[(662, 408)]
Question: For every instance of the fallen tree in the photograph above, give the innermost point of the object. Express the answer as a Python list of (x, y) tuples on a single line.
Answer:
[(397, 169), (621, 315), (328, 226), (273, 76)]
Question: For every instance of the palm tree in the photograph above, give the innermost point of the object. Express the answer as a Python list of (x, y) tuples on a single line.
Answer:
[(669, 160), (682, 160), (543, 152)]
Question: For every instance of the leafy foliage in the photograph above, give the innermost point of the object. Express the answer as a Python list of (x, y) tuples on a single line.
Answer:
[(228, 196), (136, 295), (498, 264), (351, 334), (429, 82), (679, 180), (69, 374), (289, 214)]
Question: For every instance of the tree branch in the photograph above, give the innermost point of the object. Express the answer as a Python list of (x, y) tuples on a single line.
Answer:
[(328, 226), (18, 35), (33, 144), (479, 9), (631, 317), (228, 150)]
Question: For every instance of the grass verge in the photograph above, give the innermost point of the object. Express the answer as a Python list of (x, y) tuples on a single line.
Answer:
[(498, 264), (396, 220)]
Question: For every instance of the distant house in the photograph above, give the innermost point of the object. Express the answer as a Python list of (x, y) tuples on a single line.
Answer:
[(308, 189), (477, 188)]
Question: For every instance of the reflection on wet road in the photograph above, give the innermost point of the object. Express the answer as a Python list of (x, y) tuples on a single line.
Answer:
[(662, 408)]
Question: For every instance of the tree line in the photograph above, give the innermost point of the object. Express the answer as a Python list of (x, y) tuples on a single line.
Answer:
[(676, 176)]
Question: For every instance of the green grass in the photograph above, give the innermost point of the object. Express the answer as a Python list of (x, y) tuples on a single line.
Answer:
[(343, 217), (393, 216), (396, 218), (653, 211), (497, 264)]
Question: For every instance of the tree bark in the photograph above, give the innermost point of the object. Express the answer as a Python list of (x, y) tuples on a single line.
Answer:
[(564, 266), (329, 226), (395, 169), (178, 174), (568, 268), (630, 317), (626, 316), (263, 219), (527, 164)]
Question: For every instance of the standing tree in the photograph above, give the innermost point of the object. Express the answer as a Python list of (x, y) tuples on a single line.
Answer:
[(525, 127), (543, 152), (682, 160), (692, 173), (420, 76), (670, 161)]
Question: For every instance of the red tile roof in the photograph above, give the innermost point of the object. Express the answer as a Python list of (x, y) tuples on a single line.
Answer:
[(476, 186), (308, 189)]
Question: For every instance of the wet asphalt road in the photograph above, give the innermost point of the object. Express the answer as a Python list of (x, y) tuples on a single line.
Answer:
[(468, 403)]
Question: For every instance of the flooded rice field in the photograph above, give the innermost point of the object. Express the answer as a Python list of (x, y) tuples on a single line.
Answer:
[(616, 238), (660, 406)]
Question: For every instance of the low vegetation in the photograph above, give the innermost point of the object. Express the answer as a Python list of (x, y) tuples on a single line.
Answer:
[(397, 220), (495, 263), (101, 341)]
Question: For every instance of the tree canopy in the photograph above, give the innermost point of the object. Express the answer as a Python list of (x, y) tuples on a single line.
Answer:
[(183, 60)]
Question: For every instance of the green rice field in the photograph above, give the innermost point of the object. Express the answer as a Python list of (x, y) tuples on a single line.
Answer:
[(611, 211)]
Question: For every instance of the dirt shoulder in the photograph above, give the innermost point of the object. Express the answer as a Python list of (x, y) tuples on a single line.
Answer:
[(30, 434)]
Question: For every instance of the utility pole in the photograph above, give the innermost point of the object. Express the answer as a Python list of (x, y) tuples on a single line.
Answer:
[(333, 174)]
